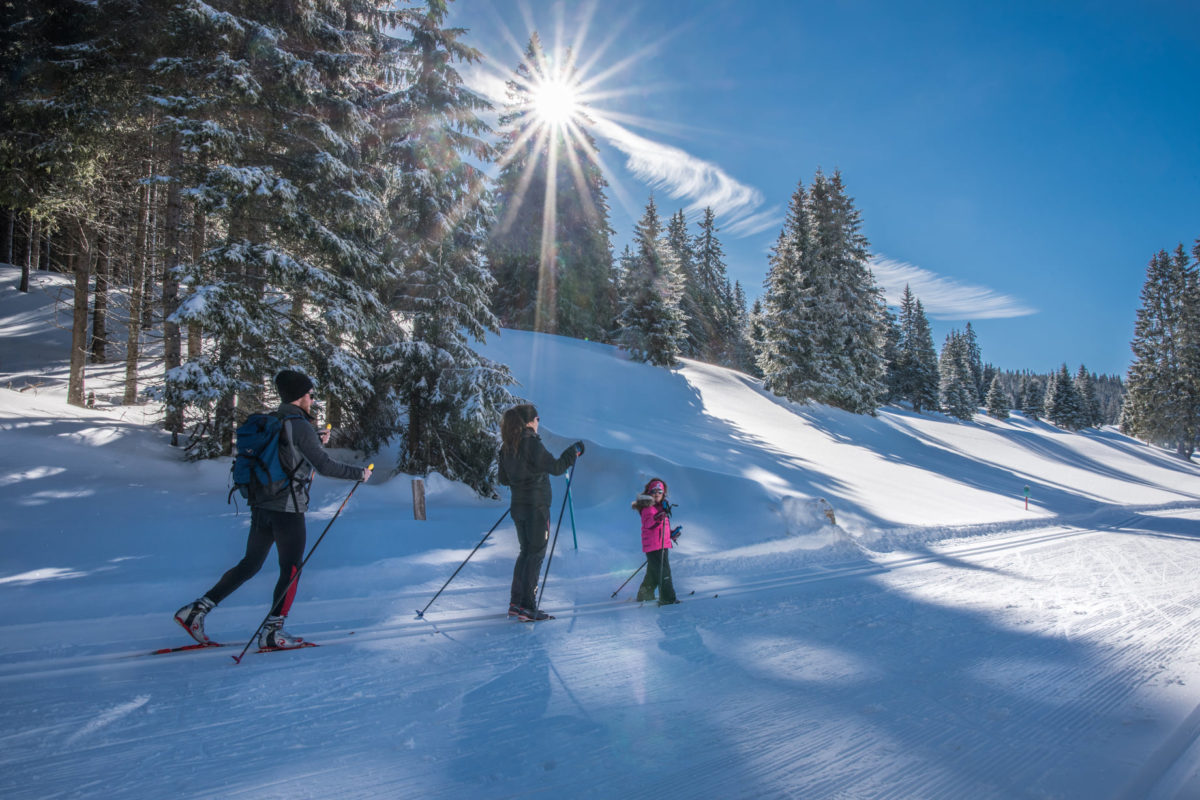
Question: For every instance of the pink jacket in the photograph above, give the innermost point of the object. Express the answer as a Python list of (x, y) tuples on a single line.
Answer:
[(656, 532)]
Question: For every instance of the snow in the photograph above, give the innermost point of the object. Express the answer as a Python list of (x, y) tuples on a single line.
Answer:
[(934, 639)]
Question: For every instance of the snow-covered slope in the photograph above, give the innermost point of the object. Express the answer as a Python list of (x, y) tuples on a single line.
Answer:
[(939, 640)]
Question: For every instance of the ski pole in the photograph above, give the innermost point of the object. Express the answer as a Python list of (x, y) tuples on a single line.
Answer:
[(421, 613), (296, 577), (627, 580), (550, 558), (571, 506)]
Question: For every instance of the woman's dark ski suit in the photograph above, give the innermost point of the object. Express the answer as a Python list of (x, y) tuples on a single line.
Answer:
[(527, 472)]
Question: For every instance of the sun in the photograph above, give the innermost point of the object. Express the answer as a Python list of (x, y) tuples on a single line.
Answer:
[(556, 102)]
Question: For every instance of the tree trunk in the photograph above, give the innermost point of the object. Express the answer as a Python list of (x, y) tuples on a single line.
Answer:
[(10, 222), (133, 346), (100, 304), (195, 341), (151, 272), (40, 232), (172, 341), (27, 262), (252, 399), (79, 257), (223, 424)]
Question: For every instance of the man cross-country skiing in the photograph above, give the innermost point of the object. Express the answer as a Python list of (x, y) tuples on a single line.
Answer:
[(278, 518)]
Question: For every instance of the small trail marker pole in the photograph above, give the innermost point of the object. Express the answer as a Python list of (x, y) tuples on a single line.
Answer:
[(1026, 498)]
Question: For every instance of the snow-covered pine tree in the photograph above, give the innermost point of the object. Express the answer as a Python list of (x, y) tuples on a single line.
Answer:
[(1089, 407), (267, 136), (1033, 397), (652, 324), (1061, 405), (719, 302), (997, 400), (925, 360), (956, 387), (739, 341), (1162, 404), (915, 371), (550, 248), (439, 216), (891, 356), (756, 334), (849, 307), (788, 355), (975, 361), (61, 132), (698, 327)]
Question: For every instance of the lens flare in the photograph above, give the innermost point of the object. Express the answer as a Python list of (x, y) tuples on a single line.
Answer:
[(555, 102)]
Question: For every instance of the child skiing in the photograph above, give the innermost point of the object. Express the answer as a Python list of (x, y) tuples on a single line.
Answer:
[(657, 538)]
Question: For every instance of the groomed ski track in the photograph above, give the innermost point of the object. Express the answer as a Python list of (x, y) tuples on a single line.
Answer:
[(712, 588), (884, 687)]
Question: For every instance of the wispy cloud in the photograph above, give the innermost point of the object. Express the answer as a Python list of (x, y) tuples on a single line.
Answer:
[(700, 183), (944, 298)]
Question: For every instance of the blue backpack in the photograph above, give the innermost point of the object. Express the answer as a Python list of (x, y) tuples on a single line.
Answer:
[(257, 469)]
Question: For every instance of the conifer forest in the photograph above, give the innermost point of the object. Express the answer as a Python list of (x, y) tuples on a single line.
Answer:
[(240, 187)]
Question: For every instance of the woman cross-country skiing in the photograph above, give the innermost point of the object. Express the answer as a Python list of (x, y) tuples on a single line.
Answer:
[(525, 466)]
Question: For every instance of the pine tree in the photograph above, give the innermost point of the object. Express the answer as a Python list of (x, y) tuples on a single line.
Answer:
[(652, 324), (956, 386), (997, 400), (61, 131), (440, 217), (891, 356), (915, 371), (273, 153), (1163, 400), (740, 341), (823, 316), (788, 356), (1085, 388), (719, 302), (550, 249), (975, 362), (698, 326), (757, 336), (1033, 398), (1062, 404), (854, 327)]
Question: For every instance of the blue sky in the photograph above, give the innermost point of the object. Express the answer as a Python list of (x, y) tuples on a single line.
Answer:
[(1017, 163)]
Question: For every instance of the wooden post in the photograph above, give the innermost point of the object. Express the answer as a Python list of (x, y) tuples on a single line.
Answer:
[(418, 489)]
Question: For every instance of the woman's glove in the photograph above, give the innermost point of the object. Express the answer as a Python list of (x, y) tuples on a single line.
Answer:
[(578, 447)]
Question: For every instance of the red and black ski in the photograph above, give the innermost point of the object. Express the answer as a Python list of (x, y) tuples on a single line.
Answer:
[(186, 647), (299, 646)]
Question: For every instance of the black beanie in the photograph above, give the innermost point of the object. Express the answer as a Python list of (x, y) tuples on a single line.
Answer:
[(292, 385)]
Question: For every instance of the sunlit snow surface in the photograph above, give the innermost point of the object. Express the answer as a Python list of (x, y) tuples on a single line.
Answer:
[(934, 640)]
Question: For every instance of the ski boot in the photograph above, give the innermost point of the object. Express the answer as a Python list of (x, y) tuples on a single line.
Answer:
[(274, 637), (191, 617)]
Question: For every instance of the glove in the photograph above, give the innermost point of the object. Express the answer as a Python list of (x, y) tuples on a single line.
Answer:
[(578, 446), (675, 533), (666, 506)]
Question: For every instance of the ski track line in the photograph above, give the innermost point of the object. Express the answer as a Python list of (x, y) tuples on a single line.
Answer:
[(426, 625)]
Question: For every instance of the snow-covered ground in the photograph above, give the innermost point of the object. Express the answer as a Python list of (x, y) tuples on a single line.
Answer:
[(939, 641)]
